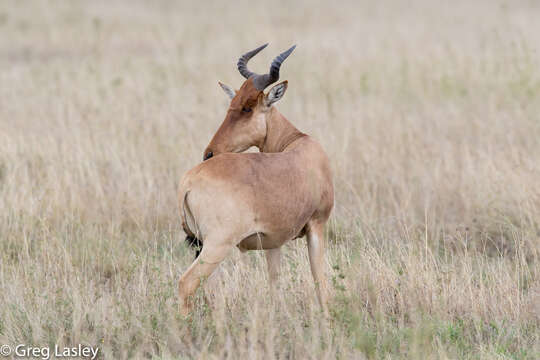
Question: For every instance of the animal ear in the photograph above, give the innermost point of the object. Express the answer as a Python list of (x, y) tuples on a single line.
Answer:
[(228, 90), (275, 93)]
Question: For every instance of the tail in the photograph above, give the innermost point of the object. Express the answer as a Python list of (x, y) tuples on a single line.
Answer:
[(195, 243), (191, 237)]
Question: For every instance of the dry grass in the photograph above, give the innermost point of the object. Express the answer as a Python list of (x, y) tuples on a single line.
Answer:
[(429, 112)]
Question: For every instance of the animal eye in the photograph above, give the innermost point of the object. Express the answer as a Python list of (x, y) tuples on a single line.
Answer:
[(246, 109)]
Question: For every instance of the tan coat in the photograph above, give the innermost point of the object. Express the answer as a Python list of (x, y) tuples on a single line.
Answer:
[(260, 200)]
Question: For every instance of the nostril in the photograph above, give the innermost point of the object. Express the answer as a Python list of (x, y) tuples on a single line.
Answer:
[(208, 155)]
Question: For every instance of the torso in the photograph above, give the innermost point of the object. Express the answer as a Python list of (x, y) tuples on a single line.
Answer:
[(267, 198)]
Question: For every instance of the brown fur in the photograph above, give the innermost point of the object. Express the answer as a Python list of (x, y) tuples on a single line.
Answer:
[(256, 200)]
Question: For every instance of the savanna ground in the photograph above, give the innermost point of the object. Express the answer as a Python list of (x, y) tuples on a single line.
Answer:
[(429, 111)]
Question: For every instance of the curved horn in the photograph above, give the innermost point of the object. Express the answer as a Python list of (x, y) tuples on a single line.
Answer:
[(276, 64), (242, 62), (262, 81)]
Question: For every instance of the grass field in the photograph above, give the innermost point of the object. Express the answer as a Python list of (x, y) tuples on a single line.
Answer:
[(429, 111)]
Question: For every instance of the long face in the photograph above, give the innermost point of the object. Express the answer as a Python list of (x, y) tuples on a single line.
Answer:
[(245, 123)]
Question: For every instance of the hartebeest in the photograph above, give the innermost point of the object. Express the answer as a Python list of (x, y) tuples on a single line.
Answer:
[(256, 201)]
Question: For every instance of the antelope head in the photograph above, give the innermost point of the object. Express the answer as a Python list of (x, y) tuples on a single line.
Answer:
[(245, 124)]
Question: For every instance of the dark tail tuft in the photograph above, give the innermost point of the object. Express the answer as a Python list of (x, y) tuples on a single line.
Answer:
[(194, 243)]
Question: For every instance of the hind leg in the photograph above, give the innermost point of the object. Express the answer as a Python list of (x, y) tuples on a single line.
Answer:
[(211, 256), (316, 249)]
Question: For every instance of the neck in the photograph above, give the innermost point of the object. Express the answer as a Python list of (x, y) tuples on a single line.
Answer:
[(280, 133)]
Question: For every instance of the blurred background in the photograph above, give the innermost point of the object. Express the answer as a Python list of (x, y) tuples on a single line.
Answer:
[(430, 114)]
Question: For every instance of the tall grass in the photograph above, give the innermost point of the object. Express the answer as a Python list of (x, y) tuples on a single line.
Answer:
[(429, 111)]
